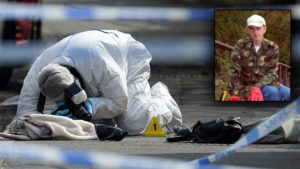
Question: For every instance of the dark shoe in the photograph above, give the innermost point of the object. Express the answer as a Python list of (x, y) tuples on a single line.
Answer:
[(105, 132)]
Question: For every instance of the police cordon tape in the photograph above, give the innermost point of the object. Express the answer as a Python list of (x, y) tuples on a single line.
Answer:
[(38, 154), (255, 134), (97, 12), (181, 50), (94, 12), (54, 156)]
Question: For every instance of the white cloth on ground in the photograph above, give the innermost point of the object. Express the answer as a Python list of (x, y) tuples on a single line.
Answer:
[(43, 126)]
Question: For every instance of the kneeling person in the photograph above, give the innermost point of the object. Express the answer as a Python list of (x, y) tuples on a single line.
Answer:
[(106, 73)]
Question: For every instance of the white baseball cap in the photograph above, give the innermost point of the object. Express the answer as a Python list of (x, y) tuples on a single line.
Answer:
[(256, 20)]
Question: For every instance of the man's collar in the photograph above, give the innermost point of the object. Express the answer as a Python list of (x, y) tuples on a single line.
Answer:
[(250, 44)]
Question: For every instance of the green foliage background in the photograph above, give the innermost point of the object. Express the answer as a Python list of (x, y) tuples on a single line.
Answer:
[(230, 26)]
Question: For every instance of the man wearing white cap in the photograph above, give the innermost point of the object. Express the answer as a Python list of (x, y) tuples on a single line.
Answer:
[(253, 73), (108, 71)]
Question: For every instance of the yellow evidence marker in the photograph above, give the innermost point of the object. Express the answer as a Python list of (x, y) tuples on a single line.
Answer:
[(154, 129)]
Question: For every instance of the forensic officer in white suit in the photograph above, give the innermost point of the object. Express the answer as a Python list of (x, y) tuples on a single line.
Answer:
[(114, 70)]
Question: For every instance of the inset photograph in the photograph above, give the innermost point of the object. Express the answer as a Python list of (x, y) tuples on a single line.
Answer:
[(252, 55)]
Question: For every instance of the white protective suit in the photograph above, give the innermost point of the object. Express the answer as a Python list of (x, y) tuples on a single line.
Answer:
[(115, 70)]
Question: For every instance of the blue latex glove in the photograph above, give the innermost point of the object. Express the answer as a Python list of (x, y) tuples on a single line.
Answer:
[(63, 112), (89, 106)]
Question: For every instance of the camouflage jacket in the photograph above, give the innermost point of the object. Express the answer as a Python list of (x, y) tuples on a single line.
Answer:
[(249, 69)]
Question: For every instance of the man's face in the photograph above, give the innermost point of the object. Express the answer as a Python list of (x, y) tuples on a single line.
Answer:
[(257, 33)]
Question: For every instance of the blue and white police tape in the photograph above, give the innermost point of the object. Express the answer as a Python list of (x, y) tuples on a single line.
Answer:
[(45, 155), (76, 12), (38, 154), (92, 12), (255, 134), (181, 50)]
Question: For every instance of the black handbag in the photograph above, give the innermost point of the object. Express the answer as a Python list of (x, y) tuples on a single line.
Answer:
[(219, 130)]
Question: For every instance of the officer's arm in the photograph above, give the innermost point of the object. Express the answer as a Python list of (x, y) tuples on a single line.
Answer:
[(29, 95), (28, 98)]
